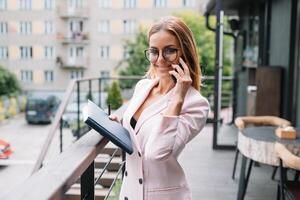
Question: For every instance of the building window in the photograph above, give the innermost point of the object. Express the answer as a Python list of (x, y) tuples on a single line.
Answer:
[(3, 53), (49, 4), (48, 52), (25, 4), (74, 74), (104, 26), (129, 26), (49, 28), (76, 52), (104, 3), (188, 3), (3, 4), (25, 28), (75, 29), (104, 52), (75, 4), (160, 3), (26, 52), (125, 52), (105, 74), (3, 28), (129, 3), (26, 76), (48, 75)]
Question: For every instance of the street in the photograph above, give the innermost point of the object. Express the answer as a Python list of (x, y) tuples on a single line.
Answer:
[(26, 142)]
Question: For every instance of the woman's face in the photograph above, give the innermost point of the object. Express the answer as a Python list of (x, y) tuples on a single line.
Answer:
[(166, 47)]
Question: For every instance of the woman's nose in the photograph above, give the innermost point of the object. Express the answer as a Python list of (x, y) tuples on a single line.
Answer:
[(160, 58)]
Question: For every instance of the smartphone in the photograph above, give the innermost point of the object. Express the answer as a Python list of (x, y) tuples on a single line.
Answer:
[(173, 77)]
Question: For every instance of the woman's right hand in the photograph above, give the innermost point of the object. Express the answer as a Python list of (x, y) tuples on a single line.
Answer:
[(114, 118)]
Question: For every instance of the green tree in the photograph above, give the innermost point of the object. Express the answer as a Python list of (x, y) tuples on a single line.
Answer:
[(114, 97), (205, 42), (9, 84), (136, 64)]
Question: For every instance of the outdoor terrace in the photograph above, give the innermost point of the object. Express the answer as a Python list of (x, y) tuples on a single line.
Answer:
[(208, 172)]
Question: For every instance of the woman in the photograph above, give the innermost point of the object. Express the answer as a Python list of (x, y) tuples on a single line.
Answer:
[(164, 114)]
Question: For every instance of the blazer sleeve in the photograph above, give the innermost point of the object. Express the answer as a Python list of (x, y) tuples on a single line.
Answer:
[(174, 132)]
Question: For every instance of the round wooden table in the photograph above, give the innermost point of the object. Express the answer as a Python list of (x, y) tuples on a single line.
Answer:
[(257, 144)]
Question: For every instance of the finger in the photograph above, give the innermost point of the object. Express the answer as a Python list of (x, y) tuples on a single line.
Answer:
[(179, 69), (174, 73), (185, 67), (113, 117)]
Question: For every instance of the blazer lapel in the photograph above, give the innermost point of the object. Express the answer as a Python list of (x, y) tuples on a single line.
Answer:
[(135, 104), (153, 109)]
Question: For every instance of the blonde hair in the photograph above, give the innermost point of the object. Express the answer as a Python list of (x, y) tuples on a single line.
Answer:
[(184, 35)]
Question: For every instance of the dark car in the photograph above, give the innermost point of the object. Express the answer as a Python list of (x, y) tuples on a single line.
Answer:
[(41, 109)]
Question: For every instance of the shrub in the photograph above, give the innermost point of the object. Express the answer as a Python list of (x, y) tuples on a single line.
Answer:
[(114, 97), (9, 84)]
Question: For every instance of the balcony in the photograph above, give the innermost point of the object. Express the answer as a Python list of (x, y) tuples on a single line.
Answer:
[(74, 62), (73, 37), (65, 11)]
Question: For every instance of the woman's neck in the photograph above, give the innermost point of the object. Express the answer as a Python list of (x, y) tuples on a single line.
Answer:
[(163, 86)]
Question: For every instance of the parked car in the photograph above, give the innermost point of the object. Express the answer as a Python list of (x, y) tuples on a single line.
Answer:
[(5, 150), (41, 108), (70, 115)]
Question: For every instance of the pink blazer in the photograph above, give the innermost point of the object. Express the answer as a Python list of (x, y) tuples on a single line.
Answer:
[(152, 171)]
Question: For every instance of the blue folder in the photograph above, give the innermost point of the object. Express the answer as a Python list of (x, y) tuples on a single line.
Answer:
[(97, 119)]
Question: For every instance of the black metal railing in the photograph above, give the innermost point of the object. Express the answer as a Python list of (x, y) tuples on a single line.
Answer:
[(85, 88)]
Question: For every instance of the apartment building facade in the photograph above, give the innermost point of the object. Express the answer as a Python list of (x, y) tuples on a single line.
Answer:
[(46, 43)]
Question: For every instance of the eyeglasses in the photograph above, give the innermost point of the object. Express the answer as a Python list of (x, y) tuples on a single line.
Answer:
[(170, 54)]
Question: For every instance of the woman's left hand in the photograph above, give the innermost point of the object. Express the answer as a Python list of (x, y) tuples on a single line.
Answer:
[(183, 78)]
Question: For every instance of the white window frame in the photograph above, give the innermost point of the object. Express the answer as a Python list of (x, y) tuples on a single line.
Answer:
[(48, 76), (76, 73), (49, 52), (3, 28), (3, 5), (104, 52), (104, 26), (76, 52), (3, 53), (26, 52), (129, 3), (129, 26), (104, 3), (25, 28), (48, 27), (75, 4), (26, 76), (49, 4), (188, 3), (125, 52), (25, 4), (160, 3)]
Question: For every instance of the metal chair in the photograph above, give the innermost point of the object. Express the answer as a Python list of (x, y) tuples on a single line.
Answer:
[(246, 121), (287, 188)]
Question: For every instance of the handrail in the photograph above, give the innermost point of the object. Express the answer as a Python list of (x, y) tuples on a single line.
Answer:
[(63, 106), (56, 177), (54, 126), (60, 112)]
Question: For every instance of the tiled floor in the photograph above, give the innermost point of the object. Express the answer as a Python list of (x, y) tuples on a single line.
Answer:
[(209, 171)]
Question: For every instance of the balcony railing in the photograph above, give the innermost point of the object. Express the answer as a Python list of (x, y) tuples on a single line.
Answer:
[(53, 179), (73, 37), (76, 62), (66, 11)]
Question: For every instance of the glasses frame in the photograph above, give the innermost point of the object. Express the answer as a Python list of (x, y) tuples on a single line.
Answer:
[(147, 50)]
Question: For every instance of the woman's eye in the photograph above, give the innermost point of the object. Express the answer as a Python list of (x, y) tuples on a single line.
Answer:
[(153, 51), (170, 50)]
